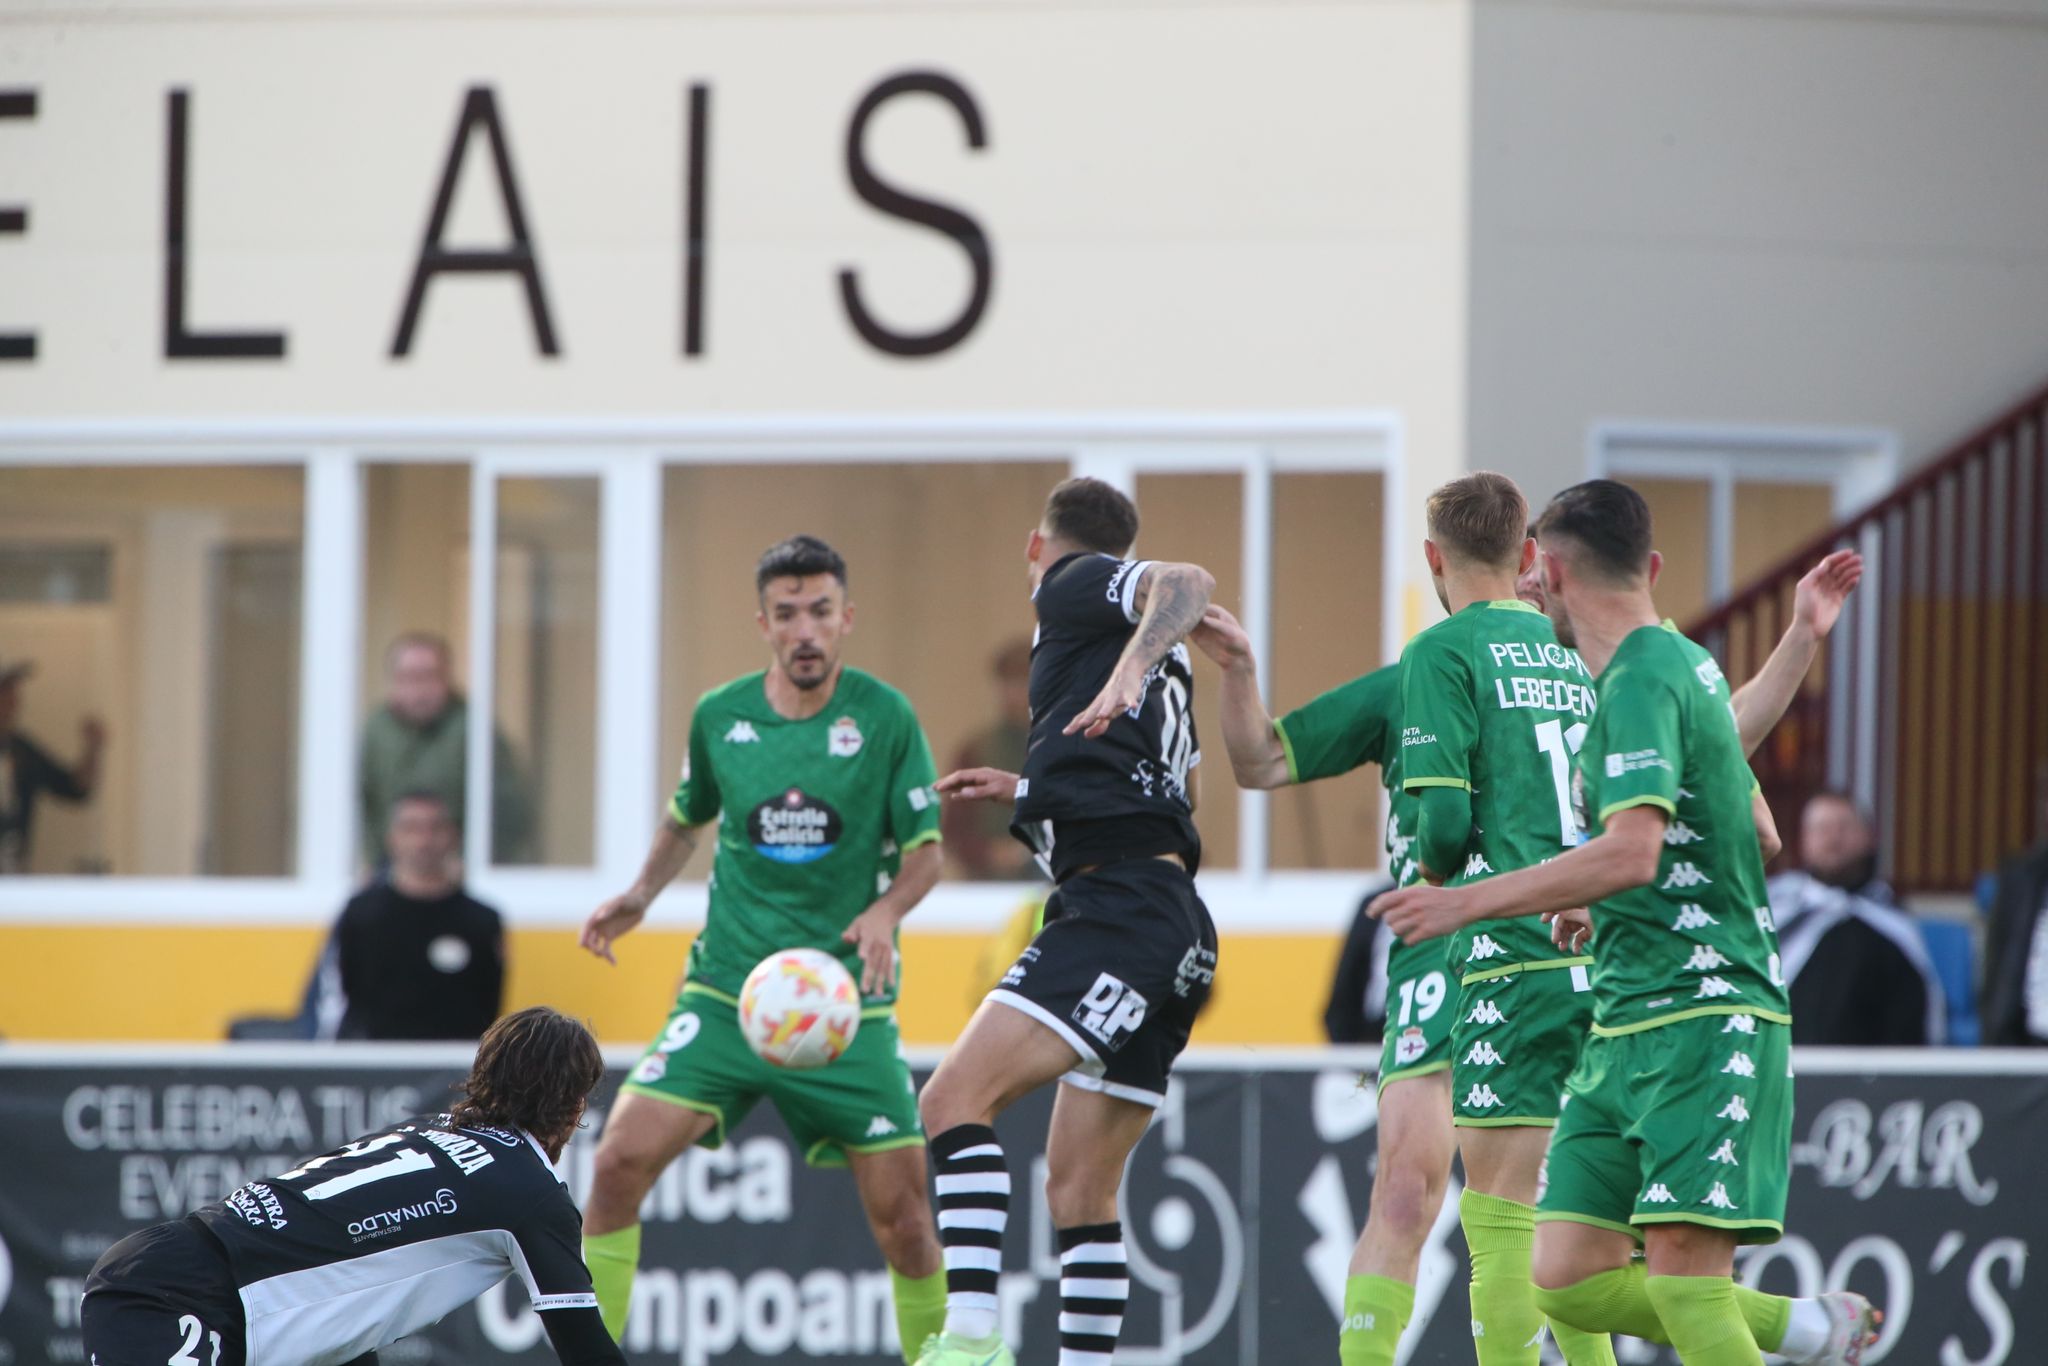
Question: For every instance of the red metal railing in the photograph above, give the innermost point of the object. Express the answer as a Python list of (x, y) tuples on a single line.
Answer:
[(1931, 704)]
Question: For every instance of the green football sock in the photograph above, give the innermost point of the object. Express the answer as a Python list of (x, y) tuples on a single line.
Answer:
[(613, 1258), (1703, 1320), (920, 1308), (1376, 1312), (1618, 1301), (1507, 1328), (1580, 1348)]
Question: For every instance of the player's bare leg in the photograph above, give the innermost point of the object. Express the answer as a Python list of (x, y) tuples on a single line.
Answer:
[(1588, 1276), (1092, 1136), (893, 1195), (1498, 1210), (1413, 1167), (1001, 1056), (641, 1137)]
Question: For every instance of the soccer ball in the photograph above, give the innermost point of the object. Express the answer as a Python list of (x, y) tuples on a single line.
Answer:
[(799, 1008)]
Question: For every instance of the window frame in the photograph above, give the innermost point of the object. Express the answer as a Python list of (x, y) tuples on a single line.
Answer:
[(629, 457)]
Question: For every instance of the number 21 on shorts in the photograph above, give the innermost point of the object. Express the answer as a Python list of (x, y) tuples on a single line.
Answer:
[(191, 1327)]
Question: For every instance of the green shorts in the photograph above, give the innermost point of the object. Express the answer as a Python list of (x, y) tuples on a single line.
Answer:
[(1515, 1042), (863, 1103), (1422, 1001), (1685, 1123)]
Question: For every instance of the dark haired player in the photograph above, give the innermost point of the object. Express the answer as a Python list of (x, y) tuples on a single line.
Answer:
[(1678, 1132), (352, 1250), (830, 838), (1104, 997)]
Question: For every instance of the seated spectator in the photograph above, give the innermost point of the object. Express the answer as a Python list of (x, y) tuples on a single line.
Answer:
[(2016, 953), (27, 772), (1357, 1009), (978, 839), (418, 957), (1857, 966), (418, 741)]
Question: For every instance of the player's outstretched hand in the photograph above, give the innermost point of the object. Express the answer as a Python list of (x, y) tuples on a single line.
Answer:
[(1817, 601), (1120, 694), (1570, 930), (1420, 912), (979, 785), (608, 922), (1220, 636), (873, 932)]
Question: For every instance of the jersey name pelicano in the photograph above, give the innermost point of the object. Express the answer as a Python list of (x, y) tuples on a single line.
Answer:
[(1699, 939), (817, 815), (1087, 610), (1492, 703), (355, 1249)]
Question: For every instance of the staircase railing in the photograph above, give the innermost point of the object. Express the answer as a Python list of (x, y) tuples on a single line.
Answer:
[(1931, 704)]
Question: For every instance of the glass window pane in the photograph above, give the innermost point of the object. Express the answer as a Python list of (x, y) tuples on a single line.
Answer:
[(415, 641), (163, 605), (1199, 518), (544, 756), (935, 562), (1329, 533), (1680, 512)]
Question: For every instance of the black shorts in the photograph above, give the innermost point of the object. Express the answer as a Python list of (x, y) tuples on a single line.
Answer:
[(161, 1296), (1121, 969)]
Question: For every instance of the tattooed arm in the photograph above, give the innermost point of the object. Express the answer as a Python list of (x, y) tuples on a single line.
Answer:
[(1171, 599)]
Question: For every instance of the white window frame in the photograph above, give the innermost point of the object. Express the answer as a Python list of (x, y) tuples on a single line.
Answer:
[(628, 457)]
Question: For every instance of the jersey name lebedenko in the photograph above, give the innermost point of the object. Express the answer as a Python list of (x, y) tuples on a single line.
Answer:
[(1139, 766)]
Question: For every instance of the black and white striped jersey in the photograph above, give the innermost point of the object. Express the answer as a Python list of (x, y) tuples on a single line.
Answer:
[(359, 1247), (1130, 784)]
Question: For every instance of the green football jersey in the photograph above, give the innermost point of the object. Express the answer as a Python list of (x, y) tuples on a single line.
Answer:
[(818, 814), (1348, 727), (1492, 703), (1699, 940)]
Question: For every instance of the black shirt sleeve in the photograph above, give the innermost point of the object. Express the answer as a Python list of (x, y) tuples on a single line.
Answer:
[(579, 1338), (551, 1257), (1344, 1019), (1092, 593)]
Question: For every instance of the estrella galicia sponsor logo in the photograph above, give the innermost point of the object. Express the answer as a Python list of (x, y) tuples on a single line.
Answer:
[(387, 1221), (793, 828)]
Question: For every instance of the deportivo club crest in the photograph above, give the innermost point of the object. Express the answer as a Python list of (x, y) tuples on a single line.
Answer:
[(844, 740)]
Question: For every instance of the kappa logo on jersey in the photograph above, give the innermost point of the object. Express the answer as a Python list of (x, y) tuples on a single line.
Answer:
[(881, 1126), (1409, 1048), (794, 828), (1476, 865), (1678, 832), (1725, 1154), (1691, 917), (742, 733), (1484, 1054), (1741, 1065), (844, 740), (1486, 1013), (1659, 1194), (1110, 1011), (1484, 948), (1705, 958), (1740, 1024), (1713, 988), (1736, 1109), (1482, 1097), (1685, 875), (1718, 1198)]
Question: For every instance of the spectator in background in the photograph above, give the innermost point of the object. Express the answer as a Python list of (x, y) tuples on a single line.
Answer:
[(2016, 949), (1357, 1009), (418, 957), (977, 834), (27, 772), (417, 741), (1857, 966)]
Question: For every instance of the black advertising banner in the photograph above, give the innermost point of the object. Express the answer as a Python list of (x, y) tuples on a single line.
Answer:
[(1917, 1182)]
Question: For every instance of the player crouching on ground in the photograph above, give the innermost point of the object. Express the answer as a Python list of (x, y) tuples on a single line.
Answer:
[(1678, 1132), (1104, 997), (357, 1248)]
